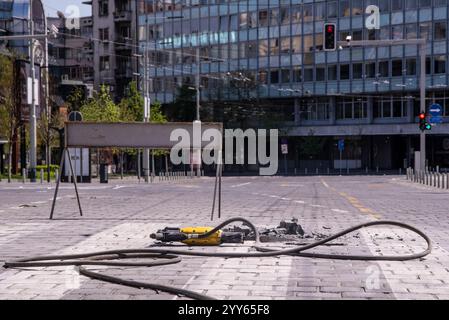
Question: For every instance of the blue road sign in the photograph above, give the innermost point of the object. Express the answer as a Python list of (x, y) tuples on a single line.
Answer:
[(435, 112), (341, 145)]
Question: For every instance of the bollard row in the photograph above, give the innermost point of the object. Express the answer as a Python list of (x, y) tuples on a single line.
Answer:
[(433, 179)]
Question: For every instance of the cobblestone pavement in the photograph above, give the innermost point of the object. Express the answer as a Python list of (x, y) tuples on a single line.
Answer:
[(122, 214)]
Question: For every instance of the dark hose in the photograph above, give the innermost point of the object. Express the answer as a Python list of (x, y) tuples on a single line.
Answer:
[(170, 256)]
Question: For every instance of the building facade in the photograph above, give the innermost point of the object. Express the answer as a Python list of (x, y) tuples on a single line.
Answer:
[(115, 43), (271, 52), (70, 57)]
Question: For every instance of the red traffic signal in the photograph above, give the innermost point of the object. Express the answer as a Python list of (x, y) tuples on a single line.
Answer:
[(330, 37), (423, 124)]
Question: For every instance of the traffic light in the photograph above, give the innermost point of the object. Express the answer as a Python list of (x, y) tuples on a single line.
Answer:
[(423, 124), (330, 37)]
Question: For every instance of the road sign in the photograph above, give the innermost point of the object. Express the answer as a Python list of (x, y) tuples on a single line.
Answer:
[(341, 145), (284, 148), (435, 112), (75, 116)]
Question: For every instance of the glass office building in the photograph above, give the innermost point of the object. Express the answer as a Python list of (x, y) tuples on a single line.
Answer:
[(271, 52)]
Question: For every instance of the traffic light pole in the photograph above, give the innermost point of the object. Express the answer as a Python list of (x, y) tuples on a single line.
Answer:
[(422, 45)]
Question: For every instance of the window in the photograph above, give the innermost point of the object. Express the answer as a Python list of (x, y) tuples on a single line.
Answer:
[(263, 18), (253, 20), (370, 69), (398, 32), (274, 46), (411, 31), (285, 45), (411, 4), (357, 72), (397, 68), (296, 44), (263, 48), (440, 30), (274, 17), (274, 76), (425, 30), (425, 3), (285, 15), (308, 12), (384, 5), (297, 75), (332, 9), (440, 64), (344, 72), (357, 7), (410, 67), (251, 50), (296, 14), (285, 75), (103, 34), (383, 69), (344, 8), (320, 73), (243, 20), (396, 5), (320, 10), (103, 8), (308, 74), (332, 72), (263, 77), (104, 63)]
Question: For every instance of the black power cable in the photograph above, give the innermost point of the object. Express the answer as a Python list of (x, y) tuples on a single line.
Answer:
[(162, 256)]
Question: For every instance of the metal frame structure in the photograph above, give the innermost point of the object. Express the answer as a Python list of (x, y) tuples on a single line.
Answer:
[(132, 135)]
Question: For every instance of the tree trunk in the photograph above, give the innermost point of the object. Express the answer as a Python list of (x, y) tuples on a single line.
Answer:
[(9, 161)]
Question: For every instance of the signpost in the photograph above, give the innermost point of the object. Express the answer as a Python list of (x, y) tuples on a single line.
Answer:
[(436, 112), (284, 151)]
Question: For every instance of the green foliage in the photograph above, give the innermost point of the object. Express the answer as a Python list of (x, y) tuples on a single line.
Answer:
[(76, 99), (101, 108), (131, 106)]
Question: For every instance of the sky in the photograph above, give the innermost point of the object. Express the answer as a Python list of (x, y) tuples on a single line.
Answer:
[(51, 6)]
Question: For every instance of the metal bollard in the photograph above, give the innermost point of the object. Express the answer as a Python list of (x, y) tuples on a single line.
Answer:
[(317, 171), (366, 170), (56, 175), (42, 176), (328, 171), (305, 171), (295, 171), (400, 171), (24, 175)]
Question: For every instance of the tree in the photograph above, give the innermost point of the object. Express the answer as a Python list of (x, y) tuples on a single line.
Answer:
[(101, 108), (76, 99), (9, 111), (131, 106)]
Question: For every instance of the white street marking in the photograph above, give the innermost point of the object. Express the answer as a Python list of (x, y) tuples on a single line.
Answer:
[(339, 211), (299, 201), (240, 185)]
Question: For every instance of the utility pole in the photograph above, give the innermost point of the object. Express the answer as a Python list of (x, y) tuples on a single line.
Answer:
[(422, 45), (146, 114), (198, 97), (32, 120)]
